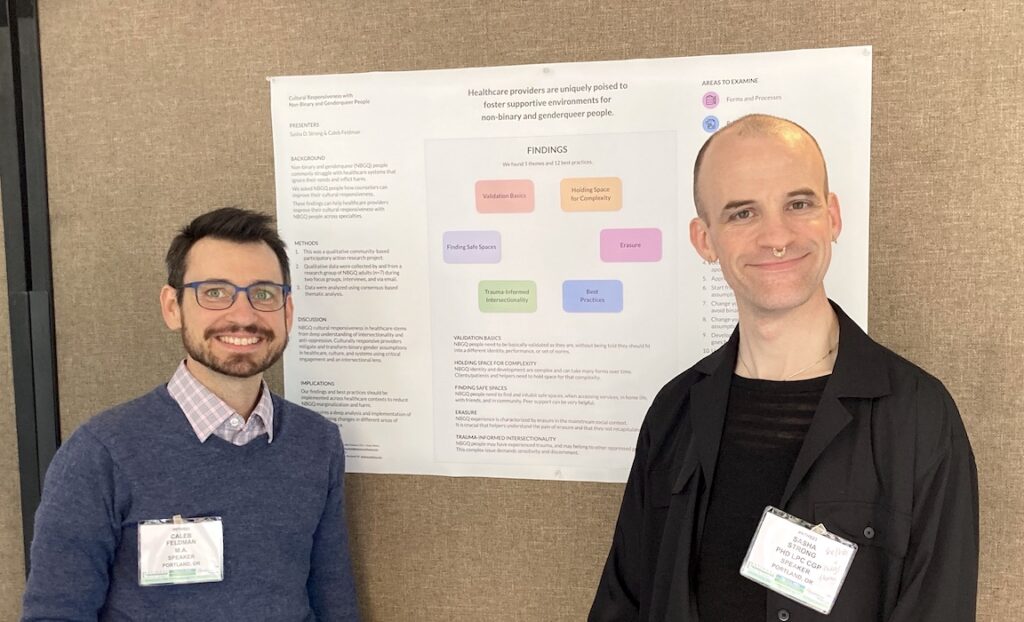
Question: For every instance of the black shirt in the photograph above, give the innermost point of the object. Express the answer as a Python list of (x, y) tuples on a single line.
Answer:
[(765, 425)]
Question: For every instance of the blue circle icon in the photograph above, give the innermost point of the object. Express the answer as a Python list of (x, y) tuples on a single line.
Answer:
[(710, 123)]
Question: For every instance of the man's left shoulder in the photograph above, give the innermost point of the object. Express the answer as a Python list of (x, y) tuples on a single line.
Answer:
[(870, 368), (923, 405), (907, 376)]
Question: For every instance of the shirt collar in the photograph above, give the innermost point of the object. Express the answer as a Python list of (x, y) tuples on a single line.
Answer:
[(855, 373), (205, 411)]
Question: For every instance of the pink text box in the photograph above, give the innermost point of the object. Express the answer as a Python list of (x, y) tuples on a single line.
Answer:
[(504, 196), (630, 245)]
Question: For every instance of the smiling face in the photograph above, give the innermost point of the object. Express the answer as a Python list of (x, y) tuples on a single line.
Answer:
[(760, 191), (239, 341)]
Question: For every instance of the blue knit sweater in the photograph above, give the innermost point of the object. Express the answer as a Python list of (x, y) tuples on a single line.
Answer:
[(282, 504)]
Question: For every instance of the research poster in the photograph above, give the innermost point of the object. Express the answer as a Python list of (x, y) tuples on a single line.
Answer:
[(492, 269)]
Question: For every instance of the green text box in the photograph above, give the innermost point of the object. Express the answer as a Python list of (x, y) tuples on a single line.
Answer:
[(507, 296)]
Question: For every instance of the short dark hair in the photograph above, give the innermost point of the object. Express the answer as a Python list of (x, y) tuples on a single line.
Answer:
[(233, 224), (765, 124)]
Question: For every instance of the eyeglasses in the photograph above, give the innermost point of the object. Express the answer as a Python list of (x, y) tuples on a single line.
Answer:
[(220, 295)]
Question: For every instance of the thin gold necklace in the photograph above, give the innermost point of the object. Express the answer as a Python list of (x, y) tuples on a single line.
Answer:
[(799, 371)]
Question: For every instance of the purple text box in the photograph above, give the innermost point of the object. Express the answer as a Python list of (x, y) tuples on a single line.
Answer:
[(630, 245), (472, 246)]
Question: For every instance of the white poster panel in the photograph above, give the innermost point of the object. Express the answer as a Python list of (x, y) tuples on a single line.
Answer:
[(492, 269)]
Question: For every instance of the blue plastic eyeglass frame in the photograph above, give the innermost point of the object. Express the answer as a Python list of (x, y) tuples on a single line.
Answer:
[(285, 289)]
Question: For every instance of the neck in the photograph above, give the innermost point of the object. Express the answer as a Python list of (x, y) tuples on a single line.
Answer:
[(241, 394), (795, 345)]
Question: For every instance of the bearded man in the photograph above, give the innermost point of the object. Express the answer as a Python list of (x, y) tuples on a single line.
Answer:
[(208, 498)]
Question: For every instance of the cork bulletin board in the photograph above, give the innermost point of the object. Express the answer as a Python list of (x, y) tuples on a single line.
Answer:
[(12, 562), (158, 111)]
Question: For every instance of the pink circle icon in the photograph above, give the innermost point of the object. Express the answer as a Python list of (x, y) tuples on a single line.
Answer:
[(710, 99)]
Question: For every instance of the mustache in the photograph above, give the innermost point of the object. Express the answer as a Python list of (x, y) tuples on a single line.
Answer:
[(232, 327)]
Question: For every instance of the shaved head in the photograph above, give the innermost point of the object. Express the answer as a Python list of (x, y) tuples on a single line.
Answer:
[(751, 125)]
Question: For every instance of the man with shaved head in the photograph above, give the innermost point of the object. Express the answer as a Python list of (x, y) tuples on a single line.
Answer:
[(799, 420)]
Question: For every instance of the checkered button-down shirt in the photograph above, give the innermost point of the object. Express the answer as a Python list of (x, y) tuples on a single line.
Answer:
[(208, 414)]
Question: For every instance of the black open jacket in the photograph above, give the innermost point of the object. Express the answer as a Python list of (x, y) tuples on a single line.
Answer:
[(886, 463)]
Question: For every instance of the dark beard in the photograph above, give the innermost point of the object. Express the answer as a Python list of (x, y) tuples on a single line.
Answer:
[(237, 365)]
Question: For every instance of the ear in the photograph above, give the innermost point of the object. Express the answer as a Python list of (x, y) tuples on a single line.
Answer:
[(700, 237), (170, 308), (289, 311), (834, 215)]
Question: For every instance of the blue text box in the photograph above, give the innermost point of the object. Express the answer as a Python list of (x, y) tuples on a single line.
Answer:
[(592, 296)]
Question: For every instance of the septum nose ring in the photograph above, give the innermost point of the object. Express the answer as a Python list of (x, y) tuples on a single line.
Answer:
[(779, 252)]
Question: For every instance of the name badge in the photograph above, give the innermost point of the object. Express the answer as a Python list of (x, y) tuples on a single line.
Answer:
[(181, 550), (801, 561)]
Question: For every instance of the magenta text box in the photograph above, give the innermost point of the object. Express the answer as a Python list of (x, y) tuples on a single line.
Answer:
[(619, 245)]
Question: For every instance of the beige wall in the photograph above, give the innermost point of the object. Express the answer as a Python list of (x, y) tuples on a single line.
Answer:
[(12, 562), (156, 111)]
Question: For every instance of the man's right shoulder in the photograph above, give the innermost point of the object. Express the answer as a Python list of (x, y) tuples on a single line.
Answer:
[(123, 418), (667, 409), (675, 390), (679, 386)]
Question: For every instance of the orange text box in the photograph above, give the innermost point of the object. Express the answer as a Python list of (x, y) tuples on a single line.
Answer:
[(592, 194), (502, 196)]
